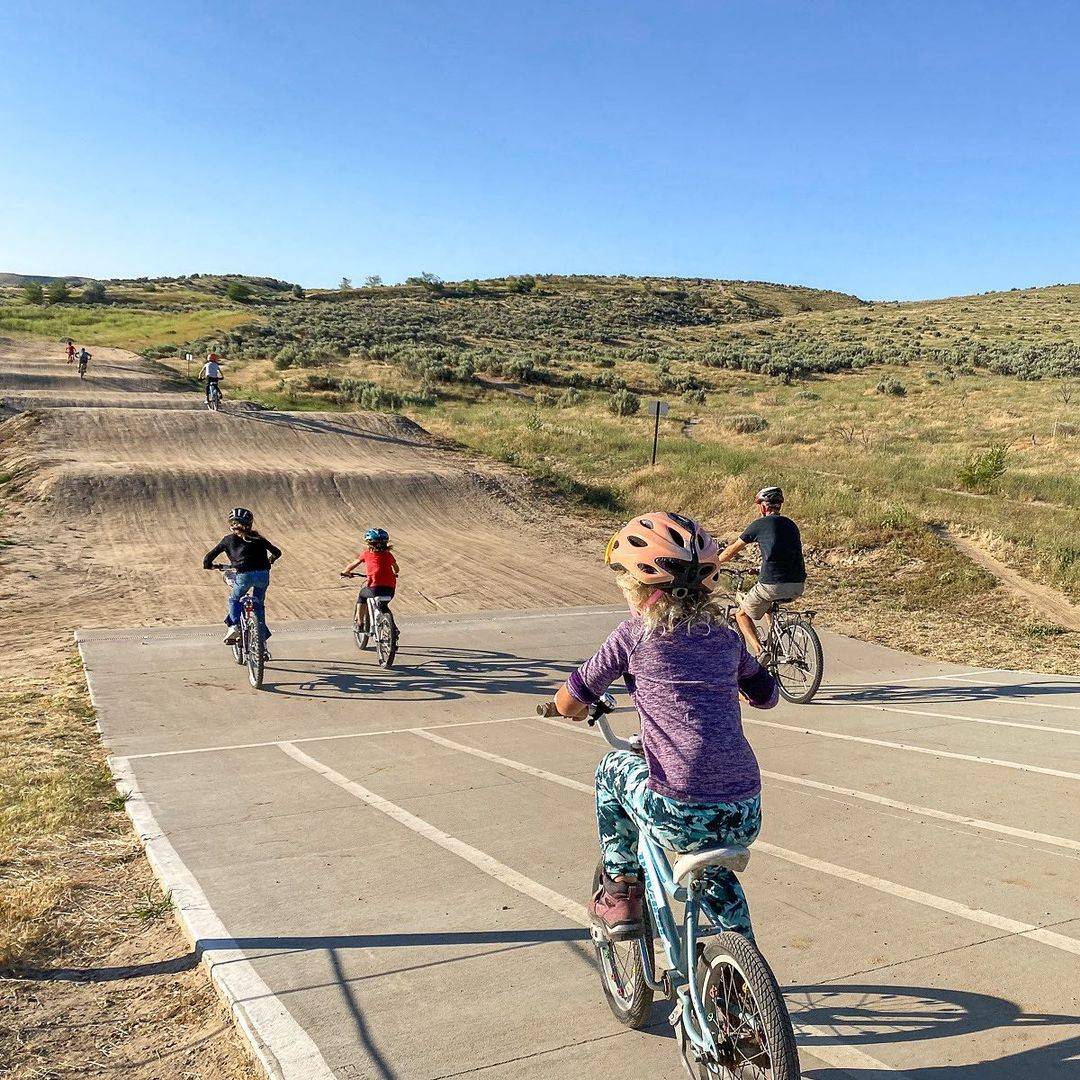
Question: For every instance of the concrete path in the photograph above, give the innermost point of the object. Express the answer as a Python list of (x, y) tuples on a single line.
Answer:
[(386, 870)]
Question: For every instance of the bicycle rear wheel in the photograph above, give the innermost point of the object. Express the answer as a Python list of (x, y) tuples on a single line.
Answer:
[(622, 971), (253, 644), (386, 637), (799, 661), (746, 1015)]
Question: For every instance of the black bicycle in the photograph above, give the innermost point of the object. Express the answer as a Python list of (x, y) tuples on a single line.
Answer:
[(791, 651), (250, 649), (373, 619)]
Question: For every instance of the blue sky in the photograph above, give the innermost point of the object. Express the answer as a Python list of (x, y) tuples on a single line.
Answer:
[(895, 150)]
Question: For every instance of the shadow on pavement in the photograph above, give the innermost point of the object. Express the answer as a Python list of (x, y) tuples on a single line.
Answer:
[(899, 694), (421, 674), (864, 1016)]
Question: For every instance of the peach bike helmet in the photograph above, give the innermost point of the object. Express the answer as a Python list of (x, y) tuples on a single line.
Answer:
[(668, 551)]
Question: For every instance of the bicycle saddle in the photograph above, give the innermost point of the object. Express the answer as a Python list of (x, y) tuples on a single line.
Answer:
[(690, 866)]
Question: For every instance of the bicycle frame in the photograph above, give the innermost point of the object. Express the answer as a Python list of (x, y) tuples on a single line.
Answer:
[(679, 947)]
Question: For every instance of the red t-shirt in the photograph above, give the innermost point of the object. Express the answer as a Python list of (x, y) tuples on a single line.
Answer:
[(381, 569)]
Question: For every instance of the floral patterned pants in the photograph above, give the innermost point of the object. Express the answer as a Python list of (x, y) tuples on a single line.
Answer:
[(623, 799)]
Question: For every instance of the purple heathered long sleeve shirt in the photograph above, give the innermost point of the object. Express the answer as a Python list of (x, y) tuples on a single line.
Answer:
[(685, 685)]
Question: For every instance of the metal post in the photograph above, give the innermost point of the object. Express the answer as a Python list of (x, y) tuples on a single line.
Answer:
[(656, 429)]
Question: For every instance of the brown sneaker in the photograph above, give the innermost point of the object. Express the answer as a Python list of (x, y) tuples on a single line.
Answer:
[(616, 908)]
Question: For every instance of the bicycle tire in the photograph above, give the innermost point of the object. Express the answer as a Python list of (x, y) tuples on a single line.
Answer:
[(811, 655), (759, 1044), (360, 631), (622, 976), (254, 646), (386, 638)]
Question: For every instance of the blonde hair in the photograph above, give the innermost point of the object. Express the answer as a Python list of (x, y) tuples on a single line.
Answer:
[(665, 613)]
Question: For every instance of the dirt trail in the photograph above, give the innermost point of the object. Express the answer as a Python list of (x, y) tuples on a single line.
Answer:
[(1049, 602), (138, 494), (111, 490)]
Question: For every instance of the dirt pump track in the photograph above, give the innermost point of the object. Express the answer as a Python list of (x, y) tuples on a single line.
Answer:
[(142, 492)]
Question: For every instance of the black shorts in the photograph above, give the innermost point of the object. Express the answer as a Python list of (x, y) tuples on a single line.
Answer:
[(379, 592)]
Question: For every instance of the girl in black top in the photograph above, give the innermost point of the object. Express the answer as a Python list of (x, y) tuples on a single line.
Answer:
[(252, 555)]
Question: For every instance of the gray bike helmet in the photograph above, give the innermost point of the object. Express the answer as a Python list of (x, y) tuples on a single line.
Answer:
[(241, 516), (770, 496)]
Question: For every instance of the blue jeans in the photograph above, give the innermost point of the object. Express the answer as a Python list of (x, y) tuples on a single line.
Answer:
[(257, 581), (623, 799)]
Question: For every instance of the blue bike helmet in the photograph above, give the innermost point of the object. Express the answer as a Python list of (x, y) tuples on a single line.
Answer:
[(377, 536)]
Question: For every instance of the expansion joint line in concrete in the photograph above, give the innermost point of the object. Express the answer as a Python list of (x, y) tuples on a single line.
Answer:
[(838, 1056)]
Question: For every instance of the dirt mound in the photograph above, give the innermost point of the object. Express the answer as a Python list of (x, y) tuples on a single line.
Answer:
[(137, 495)]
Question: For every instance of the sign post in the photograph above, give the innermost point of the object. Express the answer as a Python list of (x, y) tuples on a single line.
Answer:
[(188, 364), (656, 409)]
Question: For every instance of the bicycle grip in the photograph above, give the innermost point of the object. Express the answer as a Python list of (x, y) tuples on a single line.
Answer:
[(547, 709)]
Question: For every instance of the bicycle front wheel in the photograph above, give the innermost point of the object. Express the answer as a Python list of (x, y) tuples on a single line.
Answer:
[(360, 627), (254, 648), (622, 970), (799, 661), (746, 1015)]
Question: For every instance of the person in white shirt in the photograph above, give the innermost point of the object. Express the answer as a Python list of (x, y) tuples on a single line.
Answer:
[(211, 372)]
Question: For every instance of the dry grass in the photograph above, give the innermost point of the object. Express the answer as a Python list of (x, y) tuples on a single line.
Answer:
[(97, 976)]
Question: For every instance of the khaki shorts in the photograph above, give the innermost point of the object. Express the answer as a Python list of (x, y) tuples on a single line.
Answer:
[(761, 597)]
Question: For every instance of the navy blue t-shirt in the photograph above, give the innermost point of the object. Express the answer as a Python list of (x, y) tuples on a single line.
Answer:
[(781, 549)]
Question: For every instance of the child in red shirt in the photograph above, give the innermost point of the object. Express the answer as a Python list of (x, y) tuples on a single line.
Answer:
[(380, 567)]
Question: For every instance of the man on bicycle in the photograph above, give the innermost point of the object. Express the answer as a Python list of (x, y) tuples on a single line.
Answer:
[(211, 372), (783, 571), (84, 360), (252, 555)]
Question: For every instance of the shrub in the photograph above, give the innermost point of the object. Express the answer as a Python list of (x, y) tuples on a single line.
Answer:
[(624, 403), (34, 293), (313, 358), (696, 397), (345, 284), (94, 293), (58, 292), (238, 292), (891, 386), (372, 281), (984, 468), (298, 292), (569, 398), (544, 399), (1066, 430), (747, 423)]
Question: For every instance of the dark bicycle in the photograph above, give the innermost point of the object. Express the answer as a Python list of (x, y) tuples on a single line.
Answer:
[(213, 397), (791, 651), (250, 649), (372, 618)]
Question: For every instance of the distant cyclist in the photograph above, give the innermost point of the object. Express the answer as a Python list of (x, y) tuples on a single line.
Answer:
[(71, 351), (783, 571), (211, 372), (380, 567), (84, 360), (252, 555)]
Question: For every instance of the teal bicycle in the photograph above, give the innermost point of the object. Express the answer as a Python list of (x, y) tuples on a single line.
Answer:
[(729, 1016)]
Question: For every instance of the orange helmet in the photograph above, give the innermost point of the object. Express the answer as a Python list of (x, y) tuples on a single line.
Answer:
[(668, 551)]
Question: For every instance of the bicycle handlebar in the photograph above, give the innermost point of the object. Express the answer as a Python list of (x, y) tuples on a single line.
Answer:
[(598, 715)]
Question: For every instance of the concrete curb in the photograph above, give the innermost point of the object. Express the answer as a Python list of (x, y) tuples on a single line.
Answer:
[(280, 1045)]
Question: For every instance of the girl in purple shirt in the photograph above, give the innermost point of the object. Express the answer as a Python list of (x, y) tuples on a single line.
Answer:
[(698, 784)]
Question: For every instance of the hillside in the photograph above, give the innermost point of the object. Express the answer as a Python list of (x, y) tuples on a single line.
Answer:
[(883, 420)]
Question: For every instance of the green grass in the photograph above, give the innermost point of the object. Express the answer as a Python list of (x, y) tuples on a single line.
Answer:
[(119, 326)]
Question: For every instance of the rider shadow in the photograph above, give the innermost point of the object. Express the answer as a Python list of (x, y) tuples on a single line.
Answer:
[(422, 674), (900, 694), (863, 1016)]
